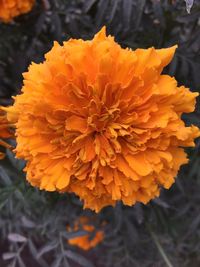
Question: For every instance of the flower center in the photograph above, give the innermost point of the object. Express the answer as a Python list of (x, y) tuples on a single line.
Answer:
[(99, 121)]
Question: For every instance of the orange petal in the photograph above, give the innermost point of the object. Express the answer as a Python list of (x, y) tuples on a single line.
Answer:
[(75, 123), (139, 164)]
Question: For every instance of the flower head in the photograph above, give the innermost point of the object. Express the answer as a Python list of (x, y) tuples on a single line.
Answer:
[(4, 126), (5, 132), (13, 8), (102, 122), (91, 239)]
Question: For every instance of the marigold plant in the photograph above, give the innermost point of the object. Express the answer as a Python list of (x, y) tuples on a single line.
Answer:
[(90, 239), (10, 9), (102, 122)]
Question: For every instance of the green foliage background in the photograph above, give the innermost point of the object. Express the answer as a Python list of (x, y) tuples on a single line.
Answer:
[(166, 232)]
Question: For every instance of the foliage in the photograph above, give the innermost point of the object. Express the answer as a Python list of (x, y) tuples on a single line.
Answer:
[(33, 223)]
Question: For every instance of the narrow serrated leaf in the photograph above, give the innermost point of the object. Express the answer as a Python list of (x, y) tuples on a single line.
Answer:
[(113, 9), (78, 258), (27, 223), (189, 4), (4, 176), (127, 11), (161, 203), (57, 261), (46, 249), (102, 10), (88, 4), (8, 255), (21, 262), (70, 235), (13, 237), (140, 9)]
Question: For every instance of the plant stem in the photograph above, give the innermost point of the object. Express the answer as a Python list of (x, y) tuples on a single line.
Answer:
[(159, 247)]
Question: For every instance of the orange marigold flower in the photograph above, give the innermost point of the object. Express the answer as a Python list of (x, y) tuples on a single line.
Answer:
[(90, 239), (4, 126), (13, 8), (103, 122), (4, 132)]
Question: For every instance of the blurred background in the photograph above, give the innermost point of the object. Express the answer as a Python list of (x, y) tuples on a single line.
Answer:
[(34, 224)]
